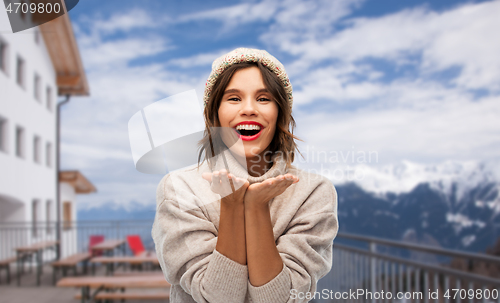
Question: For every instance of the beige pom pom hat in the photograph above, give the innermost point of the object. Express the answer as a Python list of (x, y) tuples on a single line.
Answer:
[(240, 55)]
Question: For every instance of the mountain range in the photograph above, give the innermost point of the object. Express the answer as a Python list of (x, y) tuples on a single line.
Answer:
[(453, 205)]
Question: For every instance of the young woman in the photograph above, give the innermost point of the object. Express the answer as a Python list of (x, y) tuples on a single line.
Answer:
[(246, 226)]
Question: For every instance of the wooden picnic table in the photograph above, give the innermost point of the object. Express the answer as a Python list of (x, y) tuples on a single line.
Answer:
[(109, 246), (37, 249), (131, 260), (68, 262), (113, 282)]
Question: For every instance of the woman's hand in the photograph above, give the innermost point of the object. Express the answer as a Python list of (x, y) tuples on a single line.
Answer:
[(231, 237), (261, 193), (263, 258), (230, 188)]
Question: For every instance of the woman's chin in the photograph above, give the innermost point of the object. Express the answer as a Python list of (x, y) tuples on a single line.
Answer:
[(247, 154)]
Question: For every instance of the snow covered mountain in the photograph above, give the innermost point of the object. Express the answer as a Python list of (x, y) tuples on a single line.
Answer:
[(453, 204)]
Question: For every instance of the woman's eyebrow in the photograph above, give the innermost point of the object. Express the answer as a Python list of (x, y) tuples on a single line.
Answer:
[(235, 90)]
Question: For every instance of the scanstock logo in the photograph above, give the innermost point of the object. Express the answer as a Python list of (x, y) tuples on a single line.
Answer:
[(24, 14), (165, 137)]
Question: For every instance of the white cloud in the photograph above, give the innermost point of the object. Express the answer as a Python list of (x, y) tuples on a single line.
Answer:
[(115, 193), (102, 153), (237, 14), (421, 114), (107, 54), (461, 130), (309, 19), (198, 59), (127, 21), (101, 51), (461, 37), (466, 39), (335, 84), (119, 22)]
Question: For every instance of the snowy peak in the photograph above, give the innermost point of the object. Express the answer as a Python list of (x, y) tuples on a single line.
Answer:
[(450, 177)]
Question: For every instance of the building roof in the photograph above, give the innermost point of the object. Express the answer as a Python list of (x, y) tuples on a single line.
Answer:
[(77, 180), (63, 50)]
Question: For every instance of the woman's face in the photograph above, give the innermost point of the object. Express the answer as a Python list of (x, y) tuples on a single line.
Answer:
[(249, 108)]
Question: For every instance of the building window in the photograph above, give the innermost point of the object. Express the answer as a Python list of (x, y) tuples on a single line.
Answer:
[(3, 134), (34, 217), (67, 218), (20, 142), (20, 67), (49, 98), (37, 149), (3, 56), (37, 88), (48, 216), (48, 154)]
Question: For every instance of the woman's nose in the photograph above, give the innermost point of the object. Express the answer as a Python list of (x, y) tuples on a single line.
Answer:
[(249, 108)]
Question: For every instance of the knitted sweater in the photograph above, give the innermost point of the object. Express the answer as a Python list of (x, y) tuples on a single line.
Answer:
[(185, 230)]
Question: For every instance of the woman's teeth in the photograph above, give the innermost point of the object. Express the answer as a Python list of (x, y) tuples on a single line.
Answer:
[(248, 130), (248, 127)]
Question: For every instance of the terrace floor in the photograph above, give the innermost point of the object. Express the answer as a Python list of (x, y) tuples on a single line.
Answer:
[(29, 292)]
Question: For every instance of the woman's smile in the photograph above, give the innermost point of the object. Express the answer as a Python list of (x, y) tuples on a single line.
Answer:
[(249, 130)]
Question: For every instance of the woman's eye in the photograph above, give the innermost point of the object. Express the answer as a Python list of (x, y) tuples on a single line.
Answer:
[(233, 99), (263, 99)]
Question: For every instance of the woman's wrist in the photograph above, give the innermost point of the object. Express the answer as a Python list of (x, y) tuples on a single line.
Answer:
[(231, 237), (256, 206), (230, 203)]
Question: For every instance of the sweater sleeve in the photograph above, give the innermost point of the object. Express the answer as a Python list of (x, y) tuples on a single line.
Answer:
[(185, 244), (305, 248)]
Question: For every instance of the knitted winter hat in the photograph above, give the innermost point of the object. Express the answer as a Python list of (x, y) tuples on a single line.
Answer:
[(247, 55)]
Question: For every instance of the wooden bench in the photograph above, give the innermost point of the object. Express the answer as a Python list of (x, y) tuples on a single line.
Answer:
[(160, 295), (134, 273), (91, 287), (132, 261), (5, 264), (70, 262)]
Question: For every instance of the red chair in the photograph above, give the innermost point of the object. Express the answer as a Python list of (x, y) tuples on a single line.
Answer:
[(95, 239), (135, 244)]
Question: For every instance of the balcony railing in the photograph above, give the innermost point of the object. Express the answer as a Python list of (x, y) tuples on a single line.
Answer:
[(372, 269), (74, 235), (365, 269)]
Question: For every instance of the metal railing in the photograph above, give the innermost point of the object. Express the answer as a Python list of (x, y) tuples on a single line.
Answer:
[(74, 235), (372, 269), (365, 269)]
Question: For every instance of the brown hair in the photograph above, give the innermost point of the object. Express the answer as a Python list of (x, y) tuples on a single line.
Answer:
[(283, 140)]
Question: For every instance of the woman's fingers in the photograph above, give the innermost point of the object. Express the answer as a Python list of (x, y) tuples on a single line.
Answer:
[(221, 182), (216, 187), (291, 177), (207, 176), (240, 185), (286, 180), (243, 182), (280, 183), (225, 181)]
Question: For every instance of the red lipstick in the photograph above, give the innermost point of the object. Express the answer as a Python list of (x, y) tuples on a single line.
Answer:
[(249, 138)]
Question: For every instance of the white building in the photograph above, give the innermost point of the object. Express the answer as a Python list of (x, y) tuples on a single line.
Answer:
[(36, 66), (71, 184)]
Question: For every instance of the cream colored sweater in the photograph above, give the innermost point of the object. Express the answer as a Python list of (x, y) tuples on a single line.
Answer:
[(186, 226)]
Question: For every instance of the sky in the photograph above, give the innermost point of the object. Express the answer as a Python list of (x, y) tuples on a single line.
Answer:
[(398, 80)]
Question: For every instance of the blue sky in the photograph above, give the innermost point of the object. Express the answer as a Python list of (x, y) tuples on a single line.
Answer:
[(411, 80)]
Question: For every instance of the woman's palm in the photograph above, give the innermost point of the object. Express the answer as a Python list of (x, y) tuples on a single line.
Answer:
[(264, 191)]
